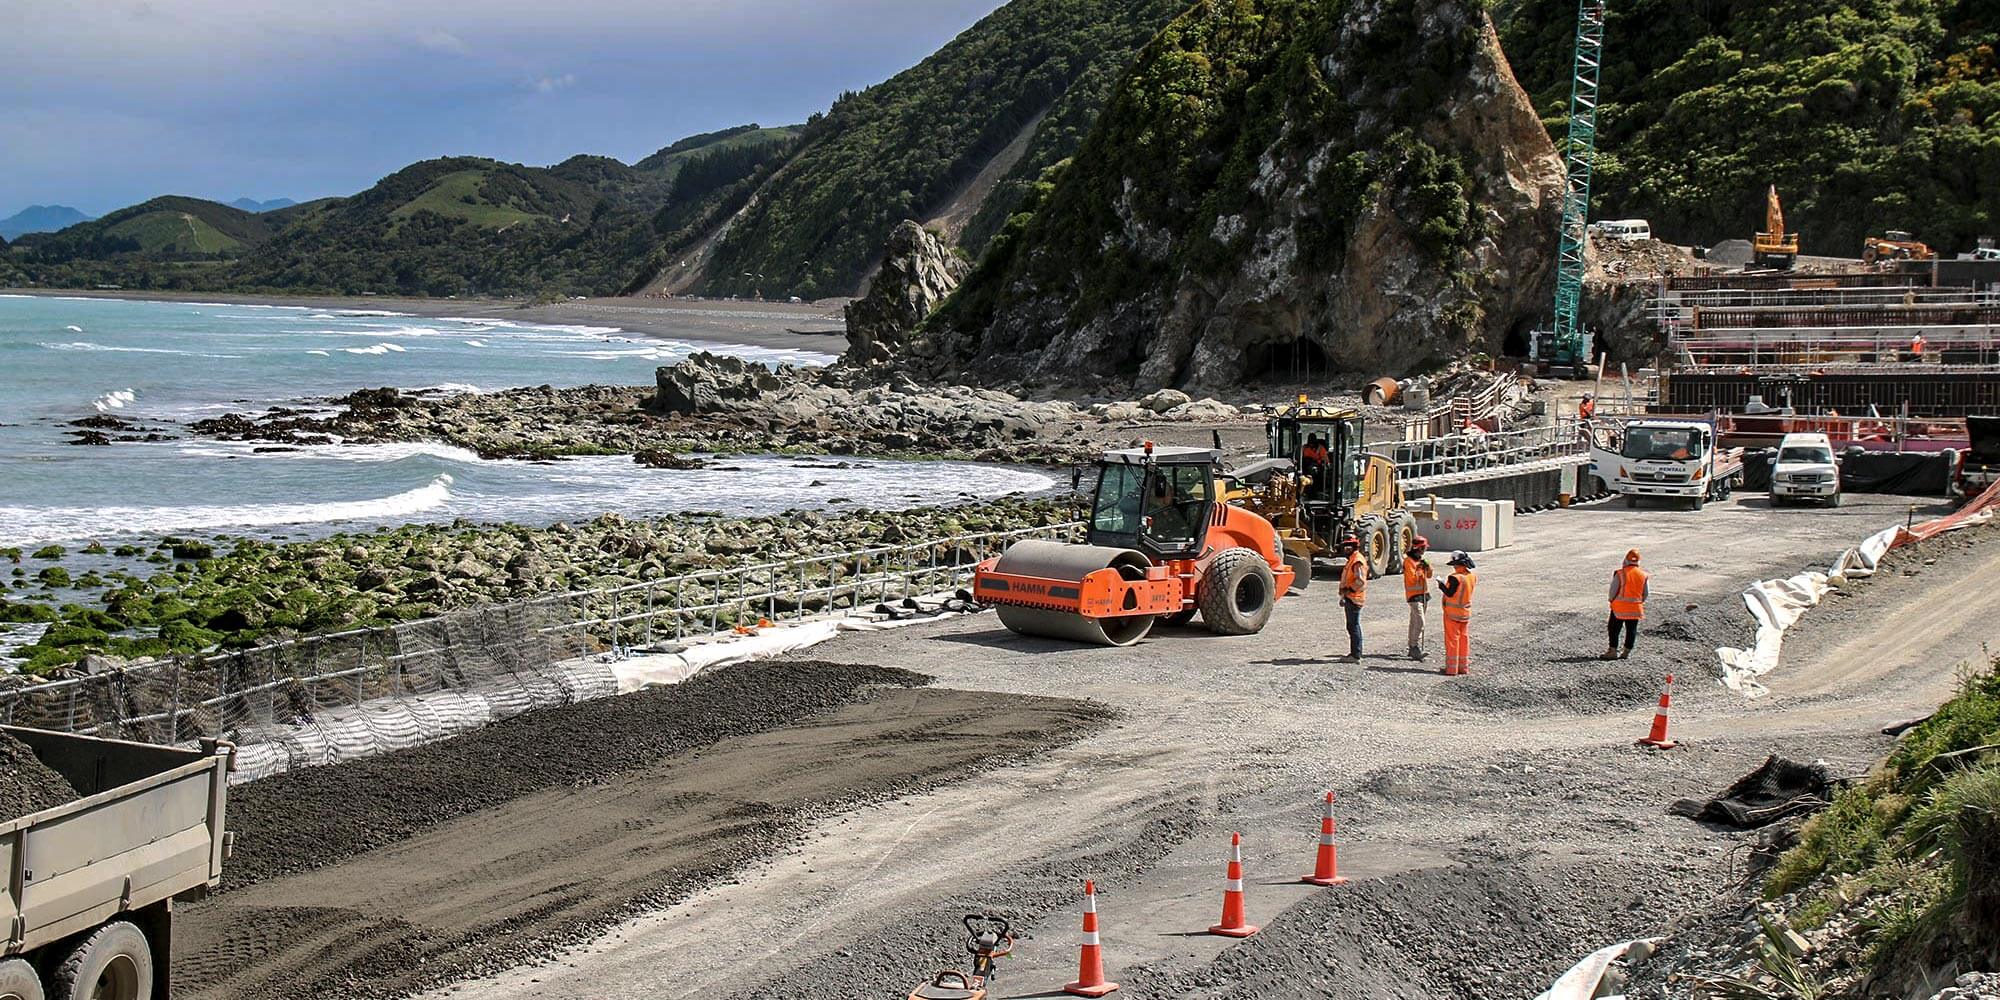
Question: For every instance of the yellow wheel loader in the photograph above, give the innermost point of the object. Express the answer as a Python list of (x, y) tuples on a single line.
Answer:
[(1321, 485)]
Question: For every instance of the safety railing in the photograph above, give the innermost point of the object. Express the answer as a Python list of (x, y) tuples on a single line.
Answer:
[(1461, 454), (531, 645), (1488, 404)]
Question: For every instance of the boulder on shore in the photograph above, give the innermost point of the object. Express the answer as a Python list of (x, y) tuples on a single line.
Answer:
[(918, 272)]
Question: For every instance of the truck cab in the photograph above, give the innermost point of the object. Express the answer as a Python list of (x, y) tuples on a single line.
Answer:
[(1805, 468), (1667, 457)]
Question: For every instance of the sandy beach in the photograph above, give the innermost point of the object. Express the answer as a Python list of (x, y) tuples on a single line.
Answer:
[(781, 325)]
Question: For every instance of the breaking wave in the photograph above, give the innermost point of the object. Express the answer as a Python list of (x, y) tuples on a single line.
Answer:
[(29, 525)]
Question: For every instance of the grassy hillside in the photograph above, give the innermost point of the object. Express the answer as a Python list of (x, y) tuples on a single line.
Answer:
[(902, 148), (1908, 862), (1867, 114), (451, 226), (171, 227)]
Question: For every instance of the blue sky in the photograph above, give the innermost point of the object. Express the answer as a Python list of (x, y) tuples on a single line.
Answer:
[(109, 102)]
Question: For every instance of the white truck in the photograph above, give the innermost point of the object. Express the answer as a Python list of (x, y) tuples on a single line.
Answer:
[(1668, 457), (1805, 468), (91, 883)]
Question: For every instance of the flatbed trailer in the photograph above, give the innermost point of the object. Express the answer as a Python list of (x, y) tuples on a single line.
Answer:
[(91, 884)]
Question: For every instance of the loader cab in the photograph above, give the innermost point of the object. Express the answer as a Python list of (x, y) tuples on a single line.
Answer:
[(1159, 501), (1336, 483)]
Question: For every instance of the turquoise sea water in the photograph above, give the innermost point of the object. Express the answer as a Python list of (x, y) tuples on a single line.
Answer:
[(167, 363)]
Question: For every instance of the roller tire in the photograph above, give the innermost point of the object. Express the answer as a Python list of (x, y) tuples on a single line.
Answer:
[(19, 982), (117, 956), (1237, 593)]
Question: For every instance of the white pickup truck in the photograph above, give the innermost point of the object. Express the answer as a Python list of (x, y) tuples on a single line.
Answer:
[(1666, 457)]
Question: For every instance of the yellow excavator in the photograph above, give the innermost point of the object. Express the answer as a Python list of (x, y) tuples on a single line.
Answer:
[(1320, 485), (1774, 248)]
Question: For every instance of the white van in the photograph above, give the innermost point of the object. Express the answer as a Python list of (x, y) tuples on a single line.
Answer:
[(1805, 469), (1625, 229)]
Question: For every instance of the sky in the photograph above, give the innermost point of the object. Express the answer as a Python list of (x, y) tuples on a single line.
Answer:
[(110, 102)]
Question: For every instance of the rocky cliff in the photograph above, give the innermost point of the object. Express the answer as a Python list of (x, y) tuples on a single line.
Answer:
[(1354, 185), (918, 272)]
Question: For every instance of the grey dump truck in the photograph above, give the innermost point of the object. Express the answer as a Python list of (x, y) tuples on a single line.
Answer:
[(91, 884)]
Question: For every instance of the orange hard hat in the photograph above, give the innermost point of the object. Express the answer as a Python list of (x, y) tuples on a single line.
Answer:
[(1632, 555)]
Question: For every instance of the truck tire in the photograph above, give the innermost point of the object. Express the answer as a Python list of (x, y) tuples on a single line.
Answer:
[(1302, 574), (1237, 593), (1402, 532), (18, 981), (113, 962), (1631, 501)]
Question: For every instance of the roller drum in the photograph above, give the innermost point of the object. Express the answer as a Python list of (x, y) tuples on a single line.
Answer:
[(1060, 561)]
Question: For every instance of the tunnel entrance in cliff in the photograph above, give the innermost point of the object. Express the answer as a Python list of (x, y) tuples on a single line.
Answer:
[(1515, 344), (1284, 361)]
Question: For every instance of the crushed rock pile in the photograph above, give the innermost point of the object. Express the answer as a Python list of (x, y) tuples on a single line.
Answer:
[(26, 784)]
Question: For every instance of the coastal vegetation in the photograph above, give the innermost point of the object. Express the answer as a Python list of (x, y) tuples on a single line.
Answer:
[(1906, 863), (1867, 114), (233, 593), (904, 148)]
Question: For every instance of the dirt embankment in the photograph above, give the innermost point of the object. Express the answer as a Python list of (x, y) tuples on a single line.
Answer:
[(423, 867)]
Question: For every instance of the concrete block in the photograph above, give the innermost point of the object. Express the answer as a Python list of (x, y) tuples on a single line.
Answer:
[(1467, 524), (1503, 523)]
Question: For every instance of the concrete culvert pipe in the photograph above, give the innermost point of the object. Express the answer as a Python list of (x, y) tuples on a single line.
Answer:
[(1382, 392), (1057, 561)]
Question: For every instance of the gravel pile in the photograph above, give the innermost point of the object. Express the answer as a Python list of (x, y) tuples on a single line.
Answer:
[(1504, 927), (306, 819), (26, 784)]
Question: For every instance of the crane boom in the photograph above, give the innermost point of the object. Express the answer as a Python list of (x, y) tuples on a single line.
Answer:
[(1568, 343)]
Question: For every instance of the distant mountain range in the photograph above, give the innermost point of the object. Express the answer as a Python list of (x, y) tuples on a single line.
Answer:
[(40, 219), (253, 205)]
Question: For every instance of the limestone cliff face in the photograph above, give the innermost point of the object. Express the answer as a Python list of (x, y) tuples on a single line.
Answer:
[(918, 272), (1360, 184)]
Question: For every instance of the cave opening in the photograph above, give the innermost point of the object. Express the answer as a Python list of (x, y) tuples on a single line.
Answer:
[(1291, 360), (1515, 344)]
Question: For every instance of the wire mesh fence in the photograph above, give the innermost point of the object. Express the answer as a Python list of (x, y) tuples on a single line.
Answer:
[(407, 682)]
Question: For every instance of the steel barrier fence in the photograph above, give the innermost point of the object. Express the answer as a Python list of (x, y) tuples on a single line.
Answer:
[(503, 650), (1463, 453)]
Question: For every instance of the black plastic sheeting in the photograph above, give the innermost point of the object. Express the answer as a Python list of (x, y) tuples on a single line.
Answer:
[(1778, 789), (1922, 474)]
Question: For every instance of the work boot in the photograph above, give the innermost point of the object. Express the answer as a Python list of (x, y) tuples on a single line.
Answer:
[(1350, 658), (1627, 654), (1610, 653), (1416, 654)]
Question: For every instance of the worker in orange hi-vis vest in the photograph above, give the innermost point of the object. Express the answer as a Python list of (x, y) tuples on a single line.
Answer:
[(1417, 591), (1629, 590), (1353, 594), (1457, 589)]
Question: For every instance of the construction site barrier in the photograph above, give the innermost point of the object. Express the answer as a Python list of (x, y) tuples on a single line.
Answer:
[(1446, 460), (1930, 391), (375, 689), (1485, 406)]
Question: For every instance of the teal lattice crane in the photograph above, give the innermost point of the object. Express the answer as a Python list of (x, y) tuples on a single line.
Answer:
[(1568, 343)]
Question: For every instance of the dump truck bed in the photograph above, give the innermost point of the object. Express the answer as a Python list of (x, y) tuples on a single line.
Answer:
[(148, 827)]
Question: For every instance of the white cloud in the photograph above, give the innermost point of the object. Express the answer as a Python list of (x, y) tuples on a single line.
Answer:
[(545, 83), (443, 41)]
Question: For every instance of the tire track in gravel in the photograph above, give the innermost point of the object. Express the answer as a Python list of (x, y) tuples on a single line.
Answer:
[(489, 888)]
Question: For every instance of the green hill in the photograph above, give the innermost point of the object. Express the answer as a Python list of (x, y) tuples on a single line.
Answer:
[(171, 227), (463, 225), (1276, 186), (903, 148), (1867, 114)]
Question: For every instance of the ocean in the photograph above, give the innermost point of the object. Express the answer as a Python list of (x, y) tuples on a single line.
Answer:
[(169, 363)]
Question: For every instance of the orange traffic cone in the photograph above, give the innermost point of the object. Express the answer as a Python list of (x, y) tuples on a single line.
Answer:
[(1090, 968), (1232, 924), (1326, 871), (1658, 737)]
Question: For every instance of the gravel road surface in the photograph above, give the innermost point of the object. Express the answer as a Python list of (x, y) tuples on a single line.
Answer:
[(1498, 826)]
